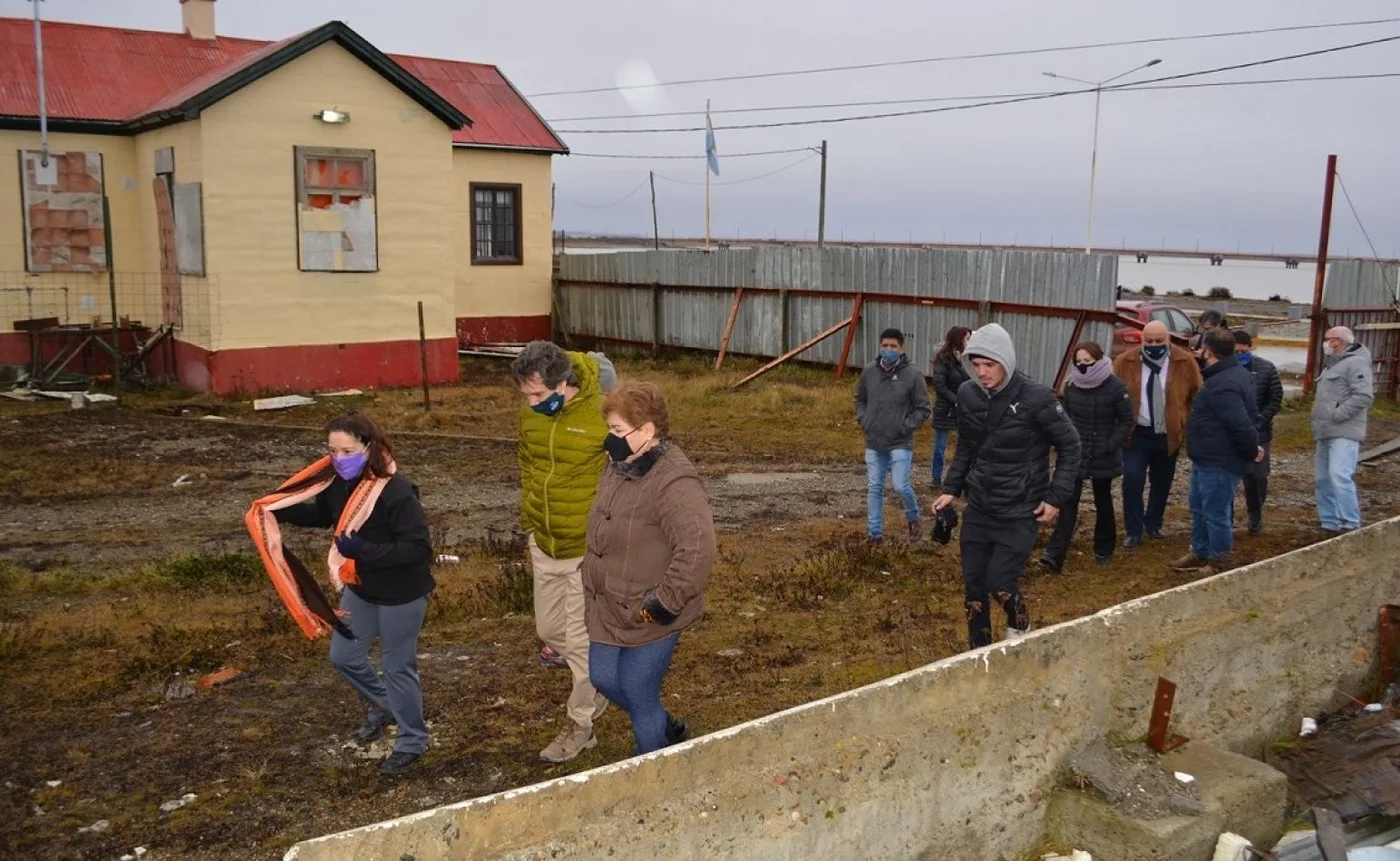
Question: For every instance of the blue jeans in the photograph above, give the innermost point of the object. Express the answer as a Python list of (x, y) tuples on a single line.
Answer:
[(631, 677), (1334, 481), (940, 448), (1212, 497), (897, 464)]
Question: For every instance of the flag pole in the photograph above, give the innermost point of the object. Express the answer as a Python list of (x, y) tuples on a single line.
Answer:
[(707, 182)]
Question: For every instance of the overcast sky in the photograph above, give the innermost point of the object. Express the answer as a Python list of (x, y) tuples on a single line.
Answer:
[(1222, 167)]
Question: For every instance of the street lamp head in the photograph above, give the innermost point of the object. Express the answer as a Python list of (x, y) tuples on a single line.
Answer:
[(1050, 74), (1151, 63)]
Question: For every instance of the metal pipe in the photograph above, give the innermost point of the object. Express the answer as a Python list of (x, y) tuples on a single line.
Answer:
[(112, 292), (43, 98), (1320, 278)]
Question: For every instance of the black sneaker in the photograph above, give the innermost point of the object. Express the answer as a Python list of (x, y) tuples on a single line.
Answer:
[(676, 730), (1132, 542), (1050, 564), (1256, 525), (372, 730), (1157, 534), (398, 762), (1103, 558)]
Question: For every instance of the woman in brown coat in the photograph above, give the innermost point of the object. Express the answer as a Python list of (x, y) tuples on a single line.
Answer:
[(651, 548)]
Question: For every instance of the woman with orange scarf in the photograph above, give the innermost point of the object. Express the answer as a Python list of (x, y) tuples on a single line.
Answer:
[(380, 561)]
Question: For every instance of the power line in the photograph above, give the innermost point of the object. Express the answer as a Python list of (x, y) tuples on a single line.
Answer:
[(1007, 101), (981, 56), (746, 179), (968, 98), (725, 155), (622, 199), (1374, 254)]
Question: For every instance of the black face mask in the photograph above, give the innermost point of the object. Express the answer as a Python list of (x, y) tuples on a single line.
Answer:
[(1083, 368), (617, 447)]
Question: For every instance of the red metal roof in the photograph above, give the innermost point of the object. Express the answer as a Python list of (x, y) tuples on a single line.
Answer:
[(109, 74)]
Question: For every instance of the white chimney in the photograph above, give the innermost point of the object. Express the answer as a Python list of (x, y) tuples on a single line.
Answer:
[(198, 18)]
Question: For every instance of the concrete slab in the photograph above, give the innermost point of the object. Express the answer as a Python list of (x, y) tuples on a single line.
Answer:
[(1075, 819), (1248, 797)]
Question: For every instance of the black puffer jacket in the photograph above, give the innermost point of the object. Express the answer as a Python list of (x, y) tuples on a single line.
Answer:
[(1103, 416), (948, 375), (1223, 428), (1269, 387), (1005, 469)]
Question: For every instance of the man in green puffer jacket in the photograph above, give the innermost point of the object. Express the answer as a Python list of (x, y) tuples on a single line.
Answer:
[(561, 459)]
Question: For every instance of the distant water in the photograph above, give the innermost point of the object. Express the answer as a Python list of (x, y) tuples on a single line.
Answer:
[(1245, 279)]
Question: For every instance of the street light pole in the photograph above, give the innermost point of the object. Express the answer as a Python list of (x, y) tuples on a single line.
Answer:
[(1094, 156)]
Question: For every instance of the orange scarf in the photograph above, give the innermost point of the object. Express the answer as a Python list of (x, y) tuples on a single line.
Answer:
[(295, 585)]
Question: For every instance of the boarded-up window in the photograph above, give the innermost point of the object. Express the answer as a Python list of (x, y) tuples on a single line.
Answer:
[(336, 229), (189, 227), (62, 209), (496, 224)]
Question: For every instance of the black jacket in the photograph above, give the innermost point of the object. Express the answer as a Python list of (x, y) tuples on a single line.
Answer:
[(1223, 428), (395, 565), (1268, 387), (890, 405), (1104, 417), (1004, 463), (948, 375)]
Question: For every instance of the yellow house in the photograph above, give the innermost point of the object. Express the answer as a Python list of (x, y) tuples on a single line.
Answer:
[(281, 209)]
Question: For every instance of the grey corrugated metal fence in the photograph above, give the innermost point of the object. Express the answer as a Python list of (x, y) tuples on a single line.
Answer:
[(1037, 295), (1362, 294)]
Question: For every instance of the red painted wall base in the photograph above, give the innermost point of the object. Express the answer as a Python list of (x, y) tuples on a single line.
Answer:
[(502, 330), (318, 367)]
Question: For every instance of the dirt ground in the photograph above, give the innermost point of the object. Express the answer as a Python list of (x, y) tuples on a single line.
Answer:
[(113, 581)]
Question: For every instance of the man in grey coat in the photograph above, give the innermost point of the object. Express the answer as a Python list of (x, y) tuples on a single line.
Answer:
[(891, 403), (1345, 391)]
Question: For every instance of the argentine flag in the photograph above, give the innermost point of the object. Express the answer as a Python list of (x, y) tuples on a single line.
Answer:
[(711, 152)]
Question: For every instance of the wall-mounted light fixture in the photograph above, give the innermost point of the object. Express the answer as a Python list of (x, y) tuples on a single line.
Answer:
[(330, 115)]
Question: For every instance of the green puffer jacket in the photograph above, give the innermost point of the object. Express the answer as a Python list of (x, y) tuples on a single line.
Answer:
[(561, 460)]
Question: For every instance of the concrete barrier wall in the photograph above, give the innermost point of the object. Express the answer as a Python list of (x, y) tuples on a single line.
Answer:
[(953, 760)]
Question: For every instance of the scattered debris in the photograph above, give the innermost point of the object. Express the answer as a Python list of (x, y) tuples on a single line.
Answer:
[(730, 653), (182, 481), (53, 784), (95, 828), (100, 398), (1133, 780), (182, 801), (1309, 728), (1075, 855), (345, 393), (22, 395), (1232, 847), (1380, 451), (176, 688), (500, 703), (1373, 708), (1184, 777), (213, 418), (38, 811), (1351, 766), (282, 403), (448, 559), (221, 677)]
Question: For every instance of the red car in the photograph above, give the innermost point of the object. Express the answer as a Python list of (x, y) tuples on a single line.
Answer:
[(1126, 337)]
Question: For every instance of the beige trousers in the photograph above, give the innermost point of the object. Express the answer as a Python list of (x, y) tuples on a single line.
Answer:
[(559, 620)]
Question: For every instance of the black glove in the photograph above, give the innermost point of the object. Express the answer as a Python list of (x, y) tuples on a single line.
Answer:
[(349, 545), (653, 611), (944, 524)]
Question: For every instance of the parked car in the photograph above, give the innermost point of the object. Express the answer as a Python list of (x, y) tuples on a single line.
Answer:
[(1126, 337)]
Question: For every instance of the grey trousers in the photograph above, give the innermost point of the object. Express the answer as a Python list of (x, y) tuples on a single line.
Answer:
[(399, 694)]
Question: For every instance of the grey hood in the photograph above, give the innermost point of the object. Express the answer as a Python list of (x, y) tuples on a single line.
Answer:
[(991, 342)]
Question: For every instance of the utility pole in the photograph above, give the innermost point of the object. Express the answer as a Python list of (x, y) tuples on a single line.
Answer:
[(821, 212), (655, 225), (1315, 321)]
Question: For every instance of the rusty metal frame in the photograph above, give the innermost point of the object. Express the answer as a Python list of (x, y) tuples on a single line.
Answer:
[(1159, 735), (856, 309), (1068, 357), (729, 328), (793, 352), (1389, 647)]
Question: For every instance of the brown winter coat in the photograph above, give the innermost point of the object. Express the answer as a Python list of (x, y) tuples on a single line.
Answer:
[(650, 531), (1183, 382)]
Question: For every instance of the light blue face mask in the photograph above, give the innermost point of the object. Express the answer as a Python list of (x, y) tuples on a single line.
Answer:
[(889, 357)]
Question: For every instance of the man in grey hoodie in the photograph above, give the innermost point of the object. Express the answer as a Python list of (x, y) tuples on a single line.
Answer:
[(1345, 391), (891, 402), (1007, 425)]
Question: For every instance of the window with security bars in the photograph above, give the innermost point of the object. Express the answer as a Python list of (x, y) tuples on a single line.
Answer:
[(496, 224)]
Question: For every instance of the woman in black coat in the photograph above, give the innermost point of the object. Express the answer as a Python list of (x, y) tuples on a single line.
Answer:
[(948, 374), (1098, 404)]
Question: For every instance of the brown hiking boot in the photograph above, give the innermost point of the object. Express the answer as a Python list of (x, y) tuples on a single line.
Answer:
[(1219, 565), (1188, 563), (916, 531), (571, 742)]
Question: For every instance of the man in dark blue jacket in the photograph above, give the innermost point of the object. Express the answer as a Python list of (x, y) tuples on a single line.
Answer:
[(1269, 396), (1222, 440)]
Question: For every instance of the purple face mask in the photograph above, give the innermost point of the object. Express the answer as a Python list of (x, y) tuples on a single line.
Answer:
[(349, 466)]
